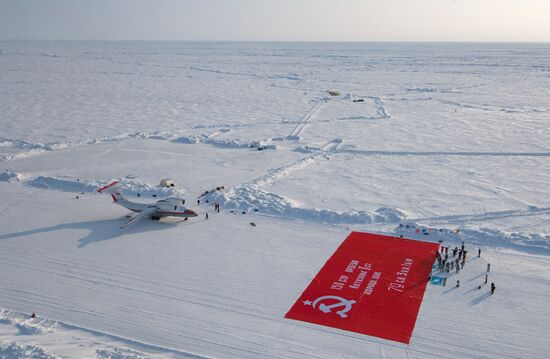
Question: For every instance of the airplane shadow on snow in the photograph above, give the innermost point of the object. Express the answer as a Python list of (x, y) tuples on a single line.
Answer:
[(98, 231)]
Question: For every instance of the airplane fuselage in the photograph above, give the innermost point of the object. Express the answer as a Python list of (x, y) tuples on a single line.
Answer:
[(165, 208)]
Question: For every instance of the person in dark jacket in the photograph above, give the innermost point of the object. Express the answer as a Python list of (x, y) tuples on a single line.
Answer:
[(493, 287)]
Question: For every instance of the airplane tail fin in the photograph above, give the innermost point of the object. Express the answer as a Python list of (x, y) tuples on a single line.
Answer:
[(112, 189)]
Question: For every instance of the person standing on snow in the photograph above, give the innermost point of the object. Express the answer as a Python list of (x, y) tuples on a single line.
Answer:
[(493, 287)]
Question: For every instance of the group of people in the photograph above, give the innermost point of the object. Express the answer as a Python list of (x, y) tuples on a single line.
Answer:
[(456, 260), (216, 207), (447, 264)]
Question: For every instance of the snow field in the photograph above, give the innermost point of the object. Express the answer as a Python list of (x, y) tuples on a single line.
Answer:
[(447, 137)]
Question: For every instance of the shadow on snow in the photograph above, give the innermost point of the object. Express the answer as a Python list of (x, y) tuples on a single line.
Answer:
[(101, 230)]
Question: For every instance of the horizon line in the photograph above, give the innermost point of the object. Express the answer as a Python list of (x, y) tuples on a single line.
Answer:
[(292, 41)]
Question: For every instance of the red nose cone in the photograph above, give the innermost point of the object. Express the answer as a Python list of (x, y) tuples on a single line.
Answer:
[(191, 213)]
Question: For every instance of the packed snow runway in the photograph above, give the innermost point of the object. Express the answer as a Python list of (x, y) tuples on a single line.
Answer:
[(423, 140)]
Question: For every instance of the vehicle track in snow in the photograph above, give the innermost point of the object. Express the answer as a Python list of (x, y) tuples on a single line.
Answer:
[(444, 153), (305, 120)]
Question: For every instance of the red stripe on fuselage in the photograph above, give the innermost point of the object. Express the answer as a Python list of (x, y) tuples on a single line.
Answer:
[(109, 185)]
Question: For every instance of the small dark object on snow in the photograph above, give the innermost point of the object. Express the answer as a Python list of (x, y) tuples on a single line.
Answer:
[(256, 209), (243, 212), (358, 100), (76, 197), (33, 315), (253, 224), (154, 195), (139, 194), (493, 287)]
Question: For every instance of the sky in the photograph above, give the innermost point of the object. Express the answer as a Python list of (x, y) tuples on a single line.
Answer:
[(277, 20)]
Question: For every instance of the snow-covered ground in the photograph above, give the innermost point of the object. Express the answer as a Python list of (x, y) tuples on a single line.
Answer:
[(422, 136)]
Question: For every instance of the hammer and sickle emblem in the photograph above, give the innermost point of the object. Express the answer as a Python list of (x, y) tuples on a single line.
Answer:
[(341, 302)]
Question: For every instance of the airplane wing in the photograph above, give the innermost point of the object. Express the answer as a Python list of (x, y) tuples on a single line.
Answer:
[(138, 217)]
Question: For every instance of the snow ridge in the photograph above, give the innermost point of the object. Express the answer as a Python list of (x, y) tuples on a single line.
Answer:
[(14, 351), (8, 176), (25, 149), (250, 197), (127, 186), (28, 326), (224, 143), (527, 242)]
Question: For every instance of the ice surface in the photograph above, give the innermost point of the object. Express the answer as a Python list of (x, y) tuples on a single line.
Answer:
[(443, 138)]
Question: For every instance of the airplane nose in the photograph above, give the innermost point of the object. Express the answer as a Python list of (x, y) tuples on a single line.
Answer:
[(191, 213)]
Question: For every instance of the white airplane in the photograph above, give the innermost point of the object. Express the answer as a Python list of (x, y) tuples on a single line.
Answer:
[(163, 208)]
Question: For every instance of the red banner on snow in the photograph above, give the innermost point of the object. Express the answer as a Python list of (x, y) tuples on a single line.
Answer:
[(372, 284)]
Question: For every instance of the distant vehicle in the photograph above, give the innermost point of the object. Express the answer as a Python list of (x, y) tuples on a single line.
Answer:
[(173, 207)]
